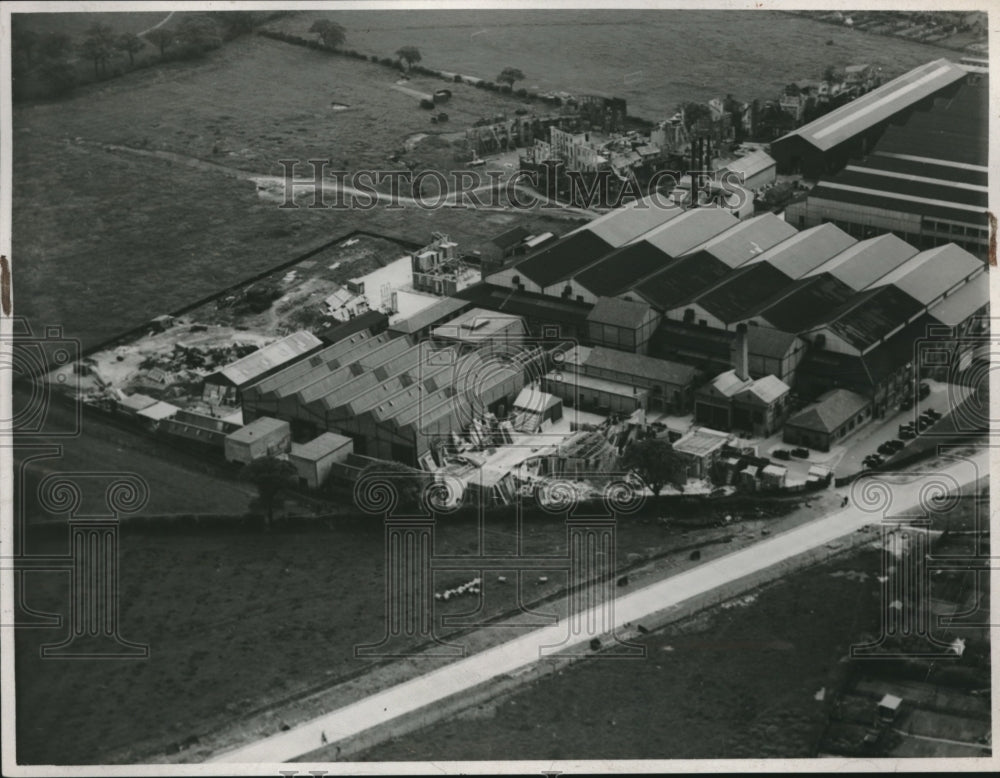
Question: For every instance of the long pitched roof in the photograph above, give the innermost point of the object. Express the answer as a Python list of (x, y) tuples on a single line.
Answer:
[(602, 358), (564, 258), (619, 313), (878, 105), (254, 365)]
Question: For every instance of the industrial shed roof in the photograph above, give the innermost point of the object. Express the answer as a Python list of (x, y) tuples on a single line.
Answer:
[(689, 230), (255, 365), (767, 389), (564, 258), (806, 251), (619, 313), (751, 164), (872, 315), (527, 304), (629, 222), (916, 185), (930, 167), (639, 365), (898, 202), (746, 239), (682, 280), (510, 238), (743, 292), (963, 303), (929, 274), (375, 321), (439, 311), (808, 302), (878, 105), (621, 269), (833, 409), (865, 262)]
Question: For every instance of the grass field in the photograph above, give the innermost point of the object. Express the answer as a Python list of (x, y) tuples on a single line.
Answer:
[(97, 229), (236, 620), (737, 681), (655, 59)]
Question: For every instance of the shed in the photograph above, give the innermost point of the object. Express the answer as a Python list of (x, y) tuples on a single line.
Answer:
[(157, 412), (314, 460), (888, 707), (224, 385), (133, 403), (773, 476), (533, 408), (260, 438)]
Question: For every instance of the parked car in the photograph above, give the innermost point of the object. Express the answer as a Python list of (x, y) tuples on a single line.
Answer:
[(907, 434), (872, 460), (781, 453), (896, 445), (885, 448), (801, 453), (923, 390), (932, 414)]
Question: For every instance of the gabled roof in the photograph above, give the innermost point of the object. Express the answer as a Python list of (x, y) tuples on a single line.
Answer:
[(564, 258), (805, 251), (728, 384), (960, 305), (621, 269), (688, 230), (872, 315), (747, 239), (751, 164), (375, 321), (864, 263), (629, 222), (832, 410), (929, 274), (254, 365), (878, 105), (619, 313), (767, 389), (768, 342)]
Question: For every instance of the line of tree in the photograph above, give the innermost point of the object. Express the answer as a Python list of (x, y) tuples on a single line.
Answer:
[(52, 56)]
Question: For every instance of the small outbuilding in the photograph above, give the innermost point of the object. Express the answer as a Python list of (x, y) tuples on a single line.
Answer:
[(314, 460), (262, 437)]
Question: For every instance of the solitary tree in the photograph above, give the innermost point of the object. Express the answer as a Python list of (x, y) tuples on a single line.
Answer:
[(408, 54), (161, 37), (510, 75), (98, 46), (655, 461), (270, 475), (130, 44), (331, 33), (830, 74)]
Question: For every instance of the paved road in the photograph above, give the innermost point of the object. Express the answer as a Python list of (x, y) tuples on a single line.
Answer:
[(521, 652)]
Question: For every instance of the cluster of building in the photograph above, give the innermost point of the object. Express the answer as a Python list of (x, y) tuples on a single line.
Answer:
[(724, 329)]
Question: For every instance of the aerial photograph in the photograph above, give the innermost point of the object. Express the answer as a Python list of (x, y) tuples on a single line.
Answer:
[(463, 387)]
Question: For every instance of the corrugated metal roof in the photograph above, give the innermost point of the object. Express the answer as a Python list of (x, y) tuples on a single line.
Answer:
[(897, 202), (929, 274), (252, 366), (862, 264), (158, 411), (873, 315), (621, 269), (878, 105)]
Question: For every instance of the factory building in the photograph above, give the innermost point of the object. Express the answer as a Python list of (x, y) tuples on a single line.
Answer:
[(825, 145), (623, 325), (925, 180), (392, 398)]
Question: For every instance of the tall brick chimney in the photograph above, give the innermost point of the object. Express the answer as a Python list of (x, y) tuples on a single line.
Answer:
[(741, 353)]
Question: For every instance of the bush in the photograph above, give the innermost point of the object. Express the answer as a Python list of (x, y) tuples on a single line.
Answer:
[(428, 104), (374, 58), (457, 79), (521, 92)]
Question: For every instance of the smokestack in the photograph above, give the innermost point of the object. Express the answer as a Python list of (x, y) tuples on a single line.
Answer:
[(741, 356), (695, 156)]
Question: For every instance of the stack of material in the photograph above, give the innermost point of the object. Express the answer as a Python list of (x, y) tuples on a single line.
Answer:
[(585, 453)]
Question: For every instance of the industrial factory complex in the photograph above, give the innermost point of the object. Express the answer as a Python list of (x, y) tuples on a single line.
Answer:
[(730, 335)]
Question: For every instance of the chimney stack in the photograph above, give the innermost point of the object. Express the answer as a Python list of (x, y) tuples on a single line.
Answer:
[(741, 359)]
